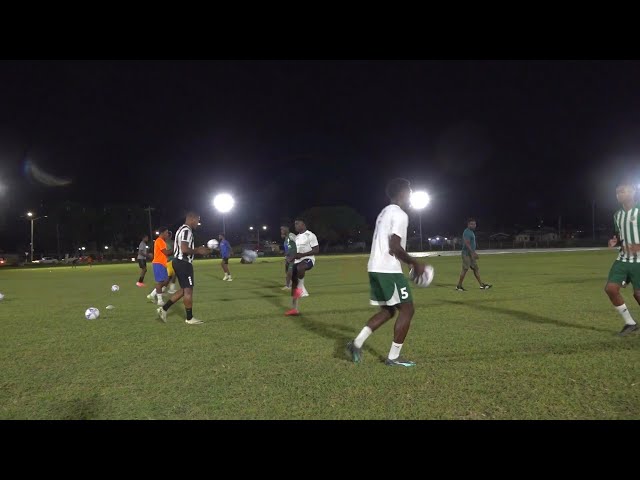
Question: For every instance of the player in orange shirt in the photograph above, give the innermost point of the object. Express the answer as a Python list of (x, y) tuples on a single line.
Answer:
[(160, 254)]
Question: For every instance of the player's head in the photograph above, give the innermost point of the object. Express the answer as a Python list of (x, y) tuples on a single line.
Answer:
[(301, 225), (145, 238), (284, 231), (163, 233), (399, 192), (221, 237), (626, 191), (471, 223), (193, 219)]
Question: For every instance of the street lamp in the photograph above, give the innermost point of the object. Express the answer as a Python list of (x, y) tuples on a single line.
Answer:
[(223, 202), (419, 200), (32, 219)]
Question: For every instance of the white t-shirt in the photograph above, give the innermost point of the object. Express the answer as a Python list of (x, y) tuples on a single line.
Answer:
[(391, 221), (305, 243)]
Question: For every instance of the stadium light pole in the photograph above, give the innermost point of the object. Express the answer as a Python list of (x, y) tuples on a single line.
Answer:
[(419, 200), (32, 219), (223, 202)]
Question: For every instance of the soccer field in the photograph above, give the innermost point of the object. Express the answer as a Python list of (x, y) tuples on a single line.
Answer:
[(541, 344)]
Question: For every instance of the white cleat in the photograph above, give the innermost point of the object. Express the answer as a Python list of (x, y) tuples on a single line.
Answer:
[(162, 314), (172, 292), (285, 288), (151, 297), (229, 279), (304, 293), (160, 302), (193, 321)]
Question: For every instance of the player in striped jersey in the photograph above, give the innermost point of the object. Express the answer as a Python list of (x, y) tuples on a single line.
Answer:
[(183, 252), (627, 265)]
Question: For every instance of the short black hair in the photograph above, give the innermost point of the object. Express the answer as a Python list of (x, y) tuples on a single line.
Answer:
[(162, 229), (625, 182), (222, 235), (397, 185), (471, 219), (192, 213), (300, 219), (285, 226)]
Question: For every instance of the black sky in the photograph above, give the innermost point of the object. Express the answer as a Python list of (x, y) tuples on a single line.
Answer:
[(507, 141)]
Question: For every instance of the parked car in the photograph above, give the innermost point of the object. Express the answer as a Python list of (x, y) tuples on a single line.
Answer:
[(47, 260)]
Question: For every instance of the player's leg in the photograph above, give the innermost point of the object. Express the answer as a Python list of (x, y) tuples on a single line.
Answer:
[(466, 264), (403, 322), (618, 273), (225, 267), (476, 272), (298, 289), (143, 271), (296, 292), (182, 273), (188, 296)]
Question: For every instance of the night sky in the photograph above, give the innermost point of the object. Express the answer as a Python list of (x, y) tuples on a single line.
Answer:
[(510, 142)]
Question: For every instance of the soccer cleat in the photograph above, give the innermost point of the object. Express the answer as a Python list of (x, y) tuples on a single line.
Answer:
[(399, 362), (292, 313), (151, 297), (193, 321), (624, 284), (160, 302), (304, 293), (285, 288), (460, 288), (140, 284), (356, 353), (230, 279), (162, 314), (225, 278), (628, 329), (486, 286), (297, 293)]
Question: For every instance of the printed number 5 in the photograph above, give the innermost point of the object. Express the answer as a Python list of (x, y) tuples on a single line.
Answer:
[(404, 293)]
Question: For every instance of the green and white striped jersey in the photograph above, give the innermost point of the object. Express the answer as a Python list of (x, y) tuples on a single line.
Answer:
[(626, 224)]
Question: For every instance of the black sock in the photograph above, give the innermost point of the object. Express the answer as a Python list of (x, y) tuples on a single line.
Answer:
[(140, 279), (189, 313), (167, 305)]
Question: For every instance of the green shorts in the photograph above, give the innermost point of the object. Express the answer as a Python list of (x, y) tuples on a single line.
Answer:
[(389, 289), (625, 271), (468, 262)]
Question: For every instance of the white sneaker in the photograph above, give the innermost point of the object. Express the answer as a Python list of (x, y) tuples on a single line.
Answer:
[(285, 288), (229, 279), (160, 302), (152, 298), (162, 314), (193, 321), (225, 278), (304, 293)]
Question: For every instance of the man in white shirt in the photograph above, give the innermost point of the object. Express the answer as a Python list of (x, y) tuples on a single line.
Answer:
[(389, 287), (304, 260)]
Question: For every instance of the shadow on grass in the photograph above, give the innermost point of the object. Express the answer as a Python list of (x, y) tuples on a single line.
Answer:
[(79, 409), (526, 316)]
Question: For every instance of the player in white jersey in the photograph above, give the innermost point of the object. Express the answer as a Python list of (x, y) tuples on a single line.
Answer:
[(626, 268), (389, 287), (304, 260)]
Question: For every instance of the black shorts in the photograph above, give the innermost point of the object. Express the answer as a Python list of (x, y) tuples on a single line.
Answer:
[(142, 263), (184, 273), (225, 261), (308, 263)]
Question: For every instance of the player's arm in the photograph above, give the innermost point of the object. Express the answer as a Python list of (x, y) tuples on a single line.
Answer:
[(167, 252), (184, 246), (467, 242), (395, 249)]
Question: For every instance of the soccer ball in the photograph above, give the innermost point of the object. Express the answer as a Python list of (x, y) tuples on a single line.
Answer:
[(110, 307), (249, 256), (1, 297), (92, 313), (115, 288), (423, 280), (213, 244)]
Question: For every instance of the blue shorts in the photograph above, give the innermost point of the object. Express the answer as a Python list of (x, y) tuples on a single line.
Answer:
[(160, 272)]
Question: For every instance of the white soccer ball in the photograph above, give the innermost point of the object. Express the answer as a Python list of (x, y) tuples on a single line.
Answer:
[(213, 244), (249, 256), (425, 279), (92, 313), (115, 288), (1, 297)]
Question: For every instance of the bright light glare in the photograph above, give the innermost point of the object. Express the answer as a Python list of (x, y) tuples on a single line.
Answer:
[(250, 228), (223, 202), (29, 214), (264, 227), (419, 200)]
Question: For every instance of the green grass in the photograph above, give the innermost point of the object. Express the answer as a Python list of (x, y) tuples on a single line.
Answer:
[(540, 345)]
